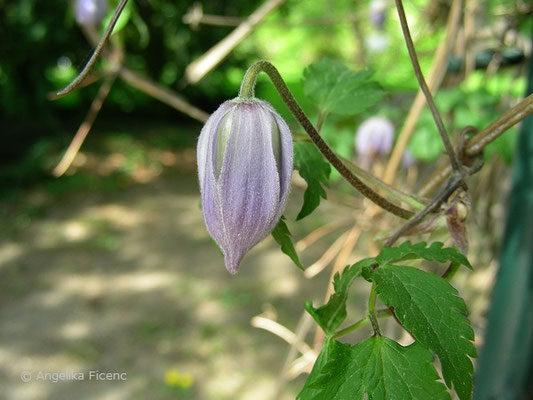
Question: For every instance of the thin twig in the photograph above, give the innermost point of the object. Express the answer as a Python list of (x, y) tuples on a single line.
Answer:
[(149, 87), (303, 327), (436, 75), (85, 127), (96, 54), (318, 233), (282, 332), (456, 181), (436, 203), (328, 256), (199, 68), (423, 85), (507, 120), (162, 94)]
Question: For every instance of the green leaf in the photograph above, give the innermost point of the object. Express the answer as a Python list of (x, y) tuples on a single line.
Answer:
[(435, 252), (432, 311), (282, 236), (331, 315), (337, 89), (315, 170), (376, 369)]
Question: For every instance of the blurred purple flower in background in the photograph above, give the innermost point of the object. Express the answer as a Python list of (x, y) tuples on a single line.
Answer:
[(245, 158), (377, 10), (408, 159), (374, 137), (90, 12)]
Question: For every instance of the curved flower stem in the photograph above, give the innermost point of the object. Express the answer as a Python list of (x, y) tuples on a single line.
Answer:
[(424, 87), (247, 92), (96, 54), (383, 313)]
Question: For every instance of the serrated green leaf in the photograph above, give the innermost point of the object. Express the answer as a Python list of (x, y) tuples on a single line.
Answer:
[(315, 170), (282, 236), (432, 311), (375, 369), (338, 89), (331, 315), (409, 251)]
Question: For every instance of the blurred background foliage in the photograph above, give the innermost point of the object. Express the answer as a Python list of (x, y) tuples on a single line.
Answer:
[(43, 47)]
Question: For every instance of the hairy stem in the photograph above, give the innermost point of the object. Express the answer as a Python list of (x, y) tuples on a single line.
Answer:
[(424, 87), (96, 54), (372, 310), (247, 92)]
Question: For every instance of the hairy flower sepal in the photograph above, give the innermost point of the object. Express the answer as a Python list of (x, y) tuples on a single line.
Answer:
[(245, 158)]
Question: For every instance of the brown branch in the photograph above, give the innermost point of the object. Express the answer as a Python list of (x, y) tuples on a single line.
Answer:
[(435, 204), (425, 89), (96, 54), (475, 146), (456, 181)]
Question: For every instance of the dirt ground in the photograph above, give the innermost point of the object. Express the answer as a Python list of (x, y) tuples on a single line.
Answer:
[(127, 281)]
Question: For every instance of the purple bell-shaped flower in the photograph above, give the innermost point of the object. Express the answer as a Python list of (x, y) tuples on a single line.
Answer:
[(374, 137), (245, 157), (90, 12)]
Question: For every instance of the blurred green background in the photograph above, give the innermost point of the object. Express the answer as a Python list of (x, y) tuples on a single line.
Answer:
[(109, 267)]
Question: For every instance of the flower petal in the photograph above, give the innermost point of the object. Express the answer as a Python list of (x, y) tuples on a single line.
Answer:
[(249, 182)]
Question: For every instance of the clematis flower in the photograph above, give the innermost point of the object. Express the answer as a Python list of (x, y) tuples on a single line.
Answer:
[(245, 157), (374, 137), (378, 13), (90, 12)]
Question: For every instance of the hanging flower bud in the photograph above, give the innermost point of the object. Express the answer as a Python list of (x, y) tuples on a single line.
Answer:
[(374, 137), (245, 160), (90, 12)]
